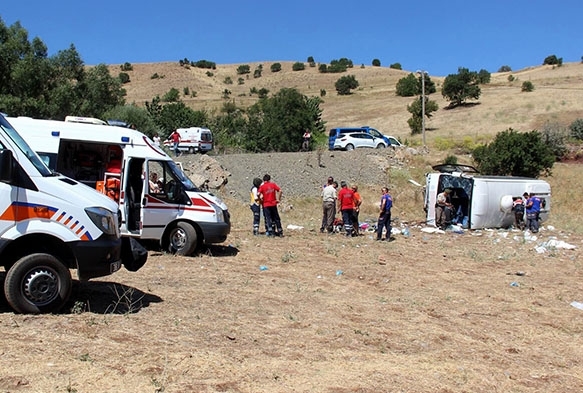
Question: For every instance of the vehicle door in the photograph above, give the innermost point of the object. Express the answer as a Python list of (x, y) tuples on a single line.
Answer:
[(366, 140), (9, 192), (164, 198), (377, 134)]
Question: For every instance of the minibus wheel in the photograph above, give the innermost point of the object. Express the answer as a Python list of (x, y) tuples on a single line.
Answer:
[(183, 239), (191, 150), (37, 283)]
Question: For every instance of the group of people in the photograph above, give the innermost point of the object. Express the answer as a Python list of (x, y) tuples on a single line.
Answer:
[(266, 195), (348, 201), (531, 205)]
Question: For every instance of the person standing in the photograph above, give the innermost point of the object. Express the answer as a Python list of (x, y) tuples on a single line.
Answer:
[(156, 140), (443, 209), (255, 205), (518, 209), (357, 203), (533, 205), (346, 206), (175, 138), (306, 143), (385, 215), (270, 195), (328, 206)]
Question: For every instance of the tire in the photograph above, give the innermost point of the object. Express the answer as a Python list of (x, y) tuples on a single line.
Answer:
[(349, 147), (183, 239), (381, 146), (37, 283), (191, 150)]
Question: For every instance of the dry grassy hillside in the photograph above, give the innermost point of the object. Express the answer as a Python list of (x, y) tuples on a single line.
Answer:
[(557, 96)]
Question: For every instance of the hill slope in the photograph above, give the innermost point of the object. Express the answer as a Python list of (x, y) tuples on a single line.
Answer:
[(557, 96)]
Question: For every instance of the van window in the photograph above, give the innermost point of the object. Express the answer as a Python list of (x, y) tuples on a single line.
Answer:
[(206, 137)]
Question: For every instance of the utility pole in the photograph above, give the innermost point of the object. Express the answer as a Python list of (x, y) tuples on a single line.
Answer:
[(422, 74)]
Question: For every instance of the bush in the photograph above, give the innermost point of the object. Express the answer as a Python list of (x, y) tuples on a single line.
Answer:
[(553, 60), (376, 63), (484, 77), (511, 78), (298, 66), (407, 86), (228, 80), (124, 77), (396, 66), (527, 86), (205, 64), (240, 81), (243, 69), (323, 68), (345, 84), (126, 66), (515, 154), (173, 95), (210, 74), (322, 92), (275, 67), (504, 68), (450, 160), (576, 129), (156, 76), (186, 91)]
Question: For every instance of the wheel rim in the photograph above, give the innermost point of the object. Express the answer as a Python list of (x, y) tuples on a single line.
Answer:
[(349, 147), (41, 286), (178, 239)]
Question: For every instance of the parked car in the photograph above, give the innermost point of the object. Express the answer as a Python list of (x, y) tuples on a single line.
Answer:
[(352, 140), (394, 141)]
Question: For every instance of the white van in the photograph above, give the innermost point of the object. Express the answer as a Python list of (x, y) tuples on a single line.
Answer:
[(481, 201), (48, 225), (156, 199), (193, 140)]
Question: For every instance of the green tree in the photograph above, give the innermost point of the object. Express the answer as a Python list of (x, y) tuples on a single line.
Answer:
[(515, 154), (258, 71), (416, 110), (132, 114), (484, 77), (126, 67), (376, 63), (504, 68), (345, 84), (553, 60), (172, 95), (311, 61), (178, 115), (412, 85), (100, 92), (298, 66), (396, 66), (457, 88), (278, 123), (243, 69), (275, 67)]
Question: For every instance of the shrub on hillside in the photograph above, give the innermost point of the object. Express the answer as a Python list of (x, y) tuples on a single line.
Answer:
[(504, 68), (345, 84), (576, 129), (527, 86), (172, 95), (124, 77), (205, 64), (396, 66), (376, 63), (275, 67), (553, 60), (243, 69), (555, 136), (484, 77), (126, 66), (298, 66), (515, 154)]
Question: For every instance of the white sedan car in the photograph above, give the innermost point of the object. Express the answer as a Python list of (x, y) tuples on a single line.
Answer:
[(352, 140)]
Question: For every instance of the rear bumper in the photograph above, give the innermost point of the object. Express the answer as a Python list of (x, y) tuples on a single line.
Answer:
[(97, 258)]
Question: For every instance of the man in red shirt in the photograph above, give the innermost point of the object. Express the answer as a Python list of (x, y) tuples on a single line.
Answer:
[(270, 194), (175, 137), (346, 206)]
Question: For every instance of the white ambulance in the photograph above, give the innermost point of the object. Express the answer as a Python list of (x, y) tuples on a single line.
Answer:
[(156, 199), (48, 225), (193, 140), (481, 201)]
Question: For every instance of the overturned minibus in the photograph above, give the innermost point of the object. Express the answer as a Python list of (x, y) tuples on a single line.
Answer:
[(481, 201)]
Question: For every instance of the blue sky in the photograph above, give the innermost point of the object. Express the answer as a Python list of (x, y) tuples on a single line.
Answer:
[(435, 36)]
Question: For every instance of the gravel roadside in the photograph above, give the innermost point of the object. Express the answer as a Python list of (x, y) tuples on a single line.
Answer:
[(298, 174)]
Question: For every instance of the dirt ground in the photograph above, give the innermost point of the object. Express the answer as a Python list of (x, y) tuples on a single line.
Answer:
[(483, 311)]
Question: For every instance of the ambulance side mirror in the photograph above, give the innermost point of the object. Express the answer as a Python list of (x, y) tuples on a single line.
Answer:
[(6, 165)]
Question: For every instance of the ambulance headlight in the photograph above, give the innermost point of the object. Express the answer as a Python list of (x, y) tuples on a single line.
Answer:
[(219, 213), (103, 219)]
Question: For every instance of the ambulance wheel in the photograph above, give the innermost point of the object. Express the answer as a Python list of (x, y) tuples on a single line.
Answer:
[(37, 283), (183, 239), (191, 150)]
